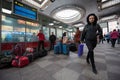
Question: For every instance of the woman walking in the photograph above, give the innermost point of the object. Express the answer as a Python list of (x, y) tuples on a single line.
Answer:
[(114, 36), (91, 31)]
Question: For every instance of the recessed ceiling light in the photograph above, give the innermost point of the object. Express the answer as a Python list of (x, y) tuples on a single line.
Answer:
[(60, 26), (68, 14), (51, 24)]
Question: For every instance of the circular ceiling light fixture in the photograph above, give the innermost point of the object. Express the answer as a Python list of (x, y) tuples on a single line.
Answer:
[(68, 13)]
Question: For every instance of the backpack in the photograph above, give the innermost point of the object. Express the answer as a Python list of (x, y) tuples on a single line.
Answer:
[(18, 50)]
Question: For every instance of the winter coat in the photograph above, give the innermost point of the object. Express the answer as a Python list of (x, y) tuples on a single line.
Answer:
[(114, 35), (90, 32)]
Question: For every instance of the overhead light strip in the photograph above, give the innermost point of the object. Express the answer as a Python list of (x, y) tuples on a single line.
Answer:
[(42, 5), (110, 3), (6, 11)]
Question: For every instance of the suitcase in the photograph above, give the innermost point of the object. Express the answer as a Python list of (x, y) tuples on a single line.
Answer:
[(36, 55), (72, 47), (65, 49), (20, 61), (30, 56), (58, 48), (43, 53), (80, 49)]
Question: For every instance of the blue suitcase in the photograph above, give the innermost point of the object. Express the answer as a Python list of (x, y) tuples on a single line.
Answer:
[(56, 49), (80, 49), (65, 49), (60, 46)]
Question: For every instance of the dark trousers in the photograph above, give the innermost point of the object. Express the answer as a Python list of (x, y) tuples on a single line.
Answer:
[(90, 56), (40, 43), (113, 41), (52, 45), (108, 40)]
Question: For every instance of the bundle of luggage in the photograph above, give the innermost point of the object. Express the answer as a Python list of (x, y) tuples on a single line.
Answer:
[(20, 57), (5, 59), (61, 48), (64, 48)]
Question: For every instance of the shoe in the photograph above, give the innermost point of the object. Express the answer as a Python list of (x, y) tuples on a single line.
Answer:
[(95, 71), (87, 60)]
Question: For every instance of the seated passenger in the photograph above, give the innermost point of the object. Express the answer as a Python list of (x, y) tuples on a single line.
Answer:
[(65, 46), (64, 38)]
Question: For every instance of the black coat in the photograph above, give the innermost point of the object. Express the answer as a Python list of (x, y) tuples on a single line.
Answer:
[(52, 38), (90, 32)]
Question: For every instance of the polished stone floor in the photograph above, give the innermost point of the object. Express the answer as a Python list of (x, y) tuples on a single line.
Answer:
[(72, 67)]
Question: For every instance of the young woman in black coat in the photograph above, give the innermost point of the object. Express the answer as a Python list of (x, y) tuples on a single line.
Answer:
[(90, 33)]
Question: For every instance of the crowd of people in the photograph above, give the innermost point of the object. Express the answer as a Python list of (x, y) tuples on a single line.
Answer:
[(112, 37)]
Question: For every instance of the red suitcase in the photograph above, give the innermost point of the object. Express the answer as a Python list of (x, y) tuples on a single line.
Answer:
[(20, 61)]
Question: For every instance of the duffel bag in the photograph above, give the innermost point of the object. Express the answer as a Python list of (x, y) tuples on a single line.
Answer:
[(20, 61)]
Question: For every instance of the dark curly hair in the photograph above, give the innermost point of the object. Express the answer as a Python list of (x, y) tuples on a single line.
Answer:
[(96, 19)]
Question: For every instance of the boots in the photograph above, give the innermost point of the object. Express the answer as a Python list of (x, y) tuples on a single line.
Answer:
[(91, 55), (94, 69), (87, 59)]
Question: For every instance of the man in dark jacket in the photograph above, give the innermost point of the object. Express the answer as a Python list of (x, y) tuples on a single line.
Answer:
[(52, 39), (90, 33)]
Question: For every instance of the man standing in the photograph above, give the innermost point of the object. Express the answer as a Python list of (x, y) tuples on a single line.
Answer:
[(41, 38), (52, 39)]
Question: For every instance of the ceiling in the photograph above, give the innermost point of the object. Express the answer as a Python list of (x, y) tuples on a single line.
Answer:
[(89, 6)]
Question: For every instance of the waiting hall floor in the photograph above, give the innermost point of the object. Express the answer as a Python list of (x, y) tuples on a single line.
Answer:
[(72, 67)]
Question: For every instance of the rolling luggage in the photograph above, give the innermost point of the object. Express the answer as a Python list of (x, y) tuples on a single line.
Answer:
[(65, 49), (72, 47), (39, 54), (80, 49), (30, 56), (36, 55), (58, 48), (43, 53)]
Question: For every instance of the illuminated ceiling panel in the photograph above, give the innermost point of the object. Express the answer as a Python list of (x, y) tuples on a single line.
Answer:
[(110, 3), (68, 14), (108, 18)]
